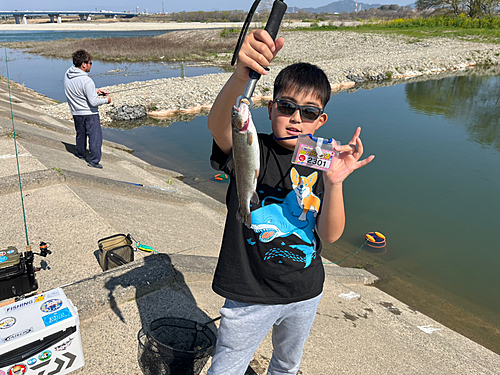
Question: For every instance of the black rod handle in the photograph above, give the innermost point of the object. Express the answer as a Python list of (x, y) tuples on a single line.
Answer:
[(272, 27), (274, 21)]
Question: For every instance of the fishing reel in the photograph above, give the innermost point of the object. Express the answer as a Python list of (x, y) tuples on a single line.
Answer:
[(272, 26), (44, 249), (17, 272)]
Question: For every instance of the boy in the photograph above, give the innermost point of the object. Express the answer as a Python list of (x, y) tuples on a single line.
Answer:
[(272, 274)]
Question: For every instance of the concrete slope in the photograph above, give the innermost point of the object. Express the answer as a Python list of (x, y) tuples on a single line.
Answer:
[(358, 329)]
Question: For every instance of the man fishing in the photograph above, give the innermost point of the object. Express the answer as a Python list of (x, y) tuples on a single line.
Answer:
[(83, 101)]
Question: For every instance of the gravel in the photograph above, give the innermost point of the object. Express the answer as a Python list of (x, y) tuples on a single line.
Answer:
[(341, 54)]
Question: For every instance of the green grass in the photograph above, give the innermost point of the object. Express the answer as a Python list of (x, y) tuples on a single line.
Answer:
[(58, 170), (227, 32), (461, 27)]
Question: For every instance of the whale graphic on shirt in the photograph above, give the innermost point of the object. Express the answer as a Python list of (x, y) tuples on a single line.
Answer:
[(289, 218)]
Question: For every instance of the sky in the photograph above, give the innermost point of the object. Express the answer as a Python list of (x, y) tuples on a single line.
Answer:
[(156, 5)]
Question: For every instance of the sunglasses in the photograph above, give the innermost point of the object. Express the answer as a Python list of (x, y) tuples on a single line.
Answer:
[(307, 112)]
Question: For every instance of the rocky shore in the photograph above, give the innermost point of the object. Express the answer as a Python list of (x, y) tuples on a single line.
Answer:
[(347, 58)]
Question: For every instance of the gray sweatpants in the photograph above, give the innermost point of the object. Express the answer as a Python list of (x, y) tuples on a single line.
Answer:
[(243, 326)]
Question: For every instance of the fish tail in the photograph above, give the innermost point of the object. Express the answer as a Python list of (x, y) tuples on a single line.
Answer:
[(244, 219)]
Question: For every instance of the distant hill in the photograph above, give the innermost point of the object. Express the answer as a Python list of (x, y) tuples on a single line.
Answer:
[(341, 6)]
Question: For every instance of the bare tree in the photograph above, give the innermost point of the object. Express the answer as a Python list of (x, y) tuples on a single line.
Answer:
[(456, 6), (489, 7), (473, 8), (265, 6)]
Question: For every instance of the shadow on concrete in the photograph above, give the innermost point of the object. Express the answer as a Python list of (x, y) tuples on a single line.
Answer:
[(71, 148), (161, 292)]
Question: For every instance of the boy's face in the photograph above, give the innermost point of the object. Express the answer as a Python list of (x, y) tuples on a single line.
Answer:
[(293, 125)]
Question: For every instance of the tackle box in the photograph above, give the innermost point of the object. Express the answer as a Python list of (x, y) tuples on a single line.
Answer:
[(40, 335), (14, 279)]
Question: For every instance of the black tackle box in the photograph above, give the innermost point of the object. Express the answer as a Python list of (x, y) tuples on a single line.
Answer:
[(14, 279)]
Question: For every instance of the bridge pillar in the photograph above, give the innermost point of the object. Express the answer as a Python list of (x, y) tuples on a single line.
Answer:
[(82, 17), (17, 18), (51, 16)]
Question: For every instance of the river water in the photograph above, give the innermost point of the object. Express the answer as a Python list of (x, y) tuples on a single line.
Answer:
[(432, 190), (45, 75)]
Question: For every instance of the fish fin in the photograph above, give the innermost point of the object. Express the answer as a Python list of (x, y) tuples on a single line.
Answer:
[(244, 219), (250, 138), (248, 221), (239, 218), (255, 198), (230, 165)]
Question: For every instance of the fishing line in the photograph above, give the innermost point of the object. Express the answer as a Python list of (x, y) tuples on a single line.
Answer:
[(347, 257), (15, 145), (135, 88), (140, 88)]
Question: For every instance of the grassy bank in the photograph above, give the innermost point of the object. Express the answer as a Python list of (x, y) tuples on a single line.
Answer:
[(200, 45), (192, 45), (462, 27)]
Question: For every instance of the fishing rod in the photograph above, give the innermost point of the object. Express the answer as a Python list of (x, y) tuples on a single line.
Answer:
[(18, 272), (28, 247), (132, 89), (273, 24)]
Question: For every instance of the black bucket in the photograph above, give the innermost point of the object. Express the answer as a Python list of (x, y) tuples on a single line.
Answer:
[(175, 346)]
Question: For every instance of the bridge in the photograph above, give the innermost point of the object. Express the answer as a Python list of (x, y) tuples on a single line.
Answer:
[(55, 16)]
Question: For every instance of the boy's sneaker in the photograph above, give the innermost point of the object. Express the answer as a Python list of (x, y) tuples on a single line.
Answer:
[(95, 165)]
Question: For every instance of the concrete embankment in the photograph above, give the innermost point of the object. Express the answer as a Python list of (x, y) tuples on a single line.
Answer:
[(358, 328)]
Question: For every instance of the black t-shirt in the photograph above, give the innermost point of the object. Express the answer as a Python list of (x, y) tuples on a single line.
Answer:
[(278, 260)]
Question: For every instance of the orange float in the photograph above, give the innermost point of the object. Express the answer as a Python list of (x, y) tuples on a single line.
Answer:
[(375, 239)]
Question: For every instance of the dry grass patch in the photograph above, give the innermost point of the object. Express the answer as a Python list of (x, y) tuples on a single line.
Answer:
[(190, 45)]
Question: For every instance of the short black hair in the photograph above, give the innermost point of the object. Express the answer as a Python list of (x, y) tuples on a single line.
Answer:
[(81, 56), (303, 78)]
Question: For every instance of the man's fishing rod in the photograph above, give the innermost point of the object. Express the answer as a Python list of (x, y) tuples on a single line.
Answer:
[(272, 27)]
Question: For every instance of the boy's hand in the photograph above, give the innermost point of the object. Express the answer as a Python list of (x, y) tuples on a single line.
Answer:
[(257, 51), (348, 160)]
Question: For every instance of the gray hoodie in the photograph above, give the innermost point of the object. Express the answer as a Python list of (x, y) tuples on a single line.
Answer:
[(81, 93)]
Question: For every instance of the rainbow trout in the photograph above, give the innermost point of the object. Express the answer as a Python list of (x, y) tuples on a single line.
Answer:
[(246, 160)]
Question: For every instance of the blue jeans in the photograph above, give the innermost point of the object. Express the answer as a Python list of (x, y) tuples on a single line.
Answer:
[(88, 126), (243, 326)]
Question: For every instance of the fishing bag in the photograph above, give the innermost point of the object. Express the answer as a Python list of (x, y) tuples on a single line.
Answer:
[(115, 251)]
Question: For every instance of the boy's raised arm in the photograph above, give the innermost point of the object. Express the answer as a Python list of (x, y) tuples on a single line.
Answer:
[(331, 222), (257, 51)]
